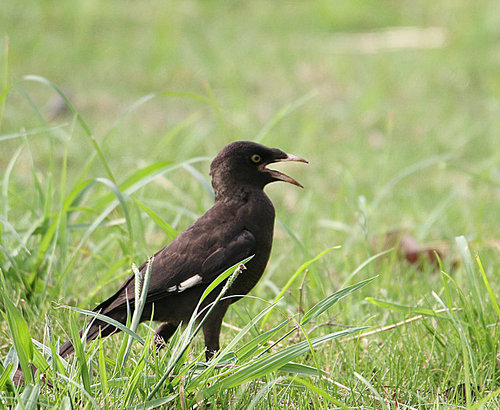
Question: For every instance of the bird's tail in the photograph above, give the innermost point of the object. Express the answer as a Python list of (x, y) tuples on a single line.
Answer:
[(67, 349), (96, 327)]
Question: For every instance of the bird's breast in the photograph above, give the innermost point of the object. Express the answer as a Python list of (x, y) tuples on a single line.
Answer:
[(258, 214)]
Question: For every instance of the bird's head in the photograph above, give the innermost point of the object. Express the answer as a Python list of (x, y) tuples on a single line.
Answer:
[(245, 162)]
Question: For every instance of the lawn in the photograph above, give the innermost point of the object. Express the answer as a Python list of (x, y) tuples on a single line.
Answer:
[(396, 105)]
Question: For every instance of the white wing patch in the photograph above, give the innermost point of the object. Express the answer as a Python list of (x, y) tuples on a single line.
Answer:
[(188, 283)]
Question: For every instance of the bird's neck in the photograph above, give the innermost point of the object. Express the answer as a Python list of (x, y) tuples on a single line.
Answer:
[(237, 193)]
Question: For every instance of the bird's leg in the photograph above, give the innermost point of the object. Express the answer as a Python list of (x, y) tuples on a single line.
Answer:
[(211, 330), (162, 334)]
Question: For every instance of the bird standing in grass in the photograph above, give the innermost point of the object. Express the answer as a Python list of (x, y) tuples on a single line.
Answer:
[(239, 224)]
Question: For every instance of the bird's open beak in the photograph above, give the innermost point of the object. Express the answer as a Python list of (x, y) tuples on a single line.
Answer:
[(283, 177)]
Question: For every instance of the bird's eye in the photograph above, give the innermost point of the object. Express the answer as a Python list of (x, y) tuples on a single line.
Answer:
[(256, 158)]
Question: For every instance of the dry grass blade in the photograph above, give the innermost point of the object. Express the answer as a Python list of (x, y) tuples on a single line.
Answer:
[(392, 326)]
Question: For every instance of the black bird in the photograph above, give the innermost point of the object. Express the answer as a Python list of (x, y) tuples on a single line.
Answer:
[(238, 225)]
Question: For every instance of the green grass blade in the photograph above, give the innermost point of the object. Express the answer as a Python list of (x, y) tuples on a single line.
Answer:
[(58, 363), (263, 391), (466, 350), (292, 279), (488, 287), (405, 309), (113, 272), (200, 178), (106, 319), (82, 389), (50, 84), (480, 404), (29, 398), (4, 223), (294, 237), (164, 226), (11, 358), (40, 361), (121, 200), (5, 375), (123, 345), (5, 182), (362, 265), (465, 253), (298, 368), (80, 354), (129, 109), (111, 131), (163, 142), (222, 277), (316, 389), (311, 348), (66, 404), (19, 331), (141, 176), (216, 107), (331, 300), (133, 381), (61, 215), (3, 98), (140, 300), (35, 131), (103, 376), (372, 389), (301, 269), (253, 345)]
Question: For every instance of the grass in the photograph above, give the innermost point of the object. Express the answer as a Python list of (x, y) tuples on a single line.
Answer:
[(401, 135)]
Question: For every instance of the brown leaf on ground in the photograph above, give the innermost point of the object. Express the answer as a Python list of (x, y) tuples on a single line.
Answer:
[(409, 249)]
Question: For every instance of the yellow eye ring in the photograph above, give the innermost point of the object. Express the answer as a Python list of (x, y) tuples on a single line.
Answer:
[(256, 158)]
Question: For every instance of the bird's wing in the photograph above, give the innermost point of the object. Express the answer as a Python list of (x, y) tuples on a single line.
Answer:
[(183, 265), (223, 257)]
